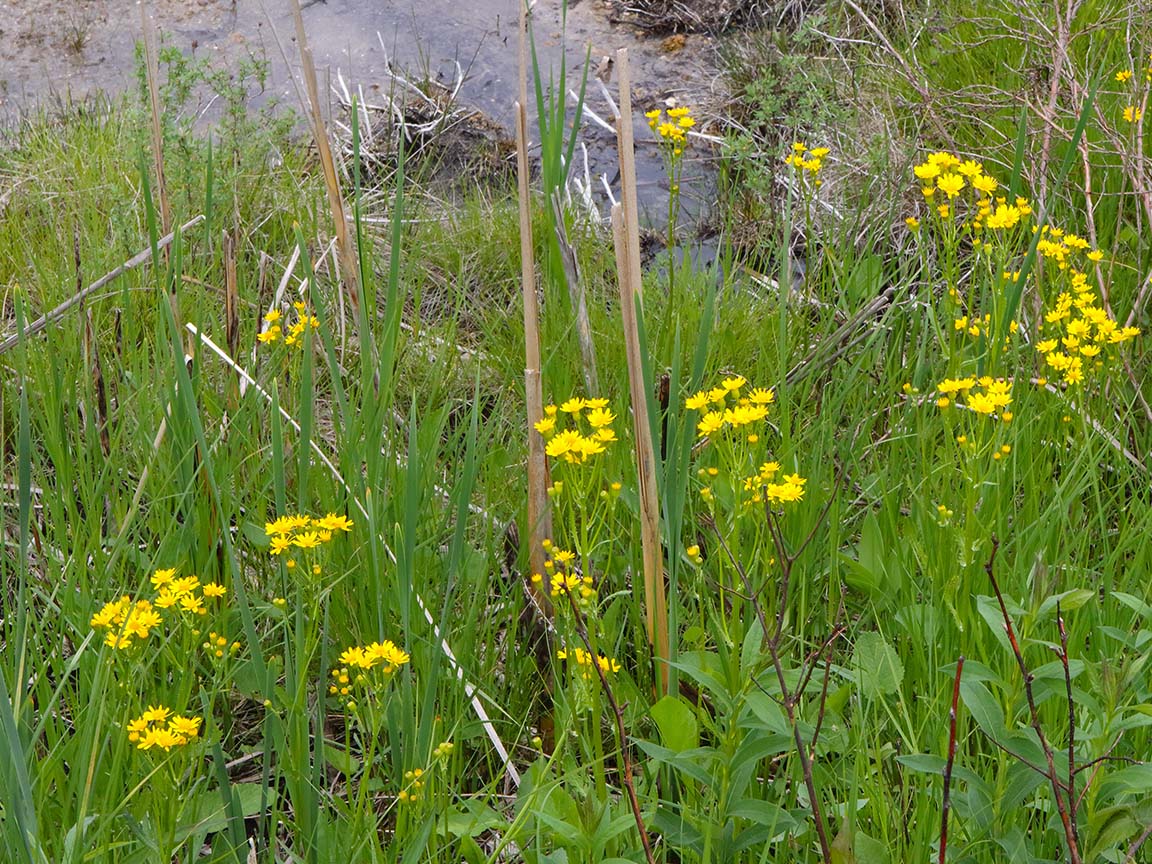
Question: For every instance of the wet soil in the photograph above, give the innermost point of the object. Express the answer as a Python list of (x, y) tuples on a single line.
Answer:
[(75, 47)]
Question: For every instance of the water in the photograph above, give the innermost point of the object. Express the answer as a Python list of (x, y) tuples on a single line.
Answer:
[(80, 46)]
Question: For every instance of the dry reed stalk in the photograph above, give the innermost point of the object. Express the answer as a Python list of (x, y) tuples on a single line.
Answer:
[(539, 513), (655, 603), (350, 271)]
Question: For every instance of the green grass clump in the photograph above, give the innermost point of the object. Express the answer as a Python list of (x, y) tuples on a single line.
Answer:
[(266, 601)]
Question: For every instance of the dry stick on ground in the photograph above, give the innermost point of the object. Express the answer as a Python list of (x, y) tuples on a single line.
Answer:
[(1058, 789), (349, 269), (951, 760), (618, 714), (576, 295), (538, 511), (626, 232), (57, 313)]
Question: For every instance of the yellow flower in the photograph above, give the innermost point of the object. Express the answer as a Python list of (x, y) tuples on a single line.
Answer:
[(600, 417), (162, 577), (760, 396), (334, 522), (574, 405), (211, 589), (162, 738), (697, 401), (307, 540), (950, 184), (913, 223), (711, 422), (1133, 114), (185, 727), (1123, 75), (270, 335), (734, 383), (927, 171), (984, 183), (387, 653)]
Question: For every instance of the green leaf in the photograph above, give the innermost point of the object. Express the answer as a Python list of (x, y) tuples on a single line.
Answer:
[(984, 708), (879, 671), (1068, 601), (923, 763), (676, 721), (869, 850), (763, 813)]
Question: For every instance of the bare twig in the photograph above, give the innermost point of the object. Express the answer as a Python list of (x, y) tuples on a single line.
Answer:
[(1058, 789), (618, 714), (951, 760)]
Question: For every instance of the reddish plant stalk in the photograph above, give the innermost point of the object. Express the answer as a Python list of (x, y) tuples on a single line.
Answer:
[(951, 759)]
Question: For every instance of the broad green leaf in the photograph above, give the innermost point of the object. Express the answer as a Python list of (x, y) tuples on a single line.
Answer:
[(677, 724), (984, 708), (879, 671), (924, 763)]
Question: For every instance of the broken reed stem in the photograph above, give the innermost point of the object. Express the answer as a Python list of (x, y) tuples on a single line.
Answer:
[(576, 295), (1050, 773), (951, 759), (539, 515), (626, 233), (621, 733), (57, 313), (349, 270)]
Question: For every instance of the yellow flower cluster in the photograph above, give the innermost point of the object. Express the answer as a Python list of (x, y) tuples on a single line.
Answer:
[(159, 727), (385, 654), (1076, 330), (295, 337), (762, 486), (588, 662), (985, 395), (358, 661), (588, 435), (304, 532), (216, 643), (949, 174), (807, 162), (126, 621), (674, 131), (1062, 248), (129, 622), (1132, 114), (562, 576), (173, 592), (731, 408), (976, 327)]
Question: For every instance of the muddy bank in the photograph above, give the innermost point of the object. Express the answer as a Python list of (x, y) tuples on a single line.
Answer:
[(80, 46)]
